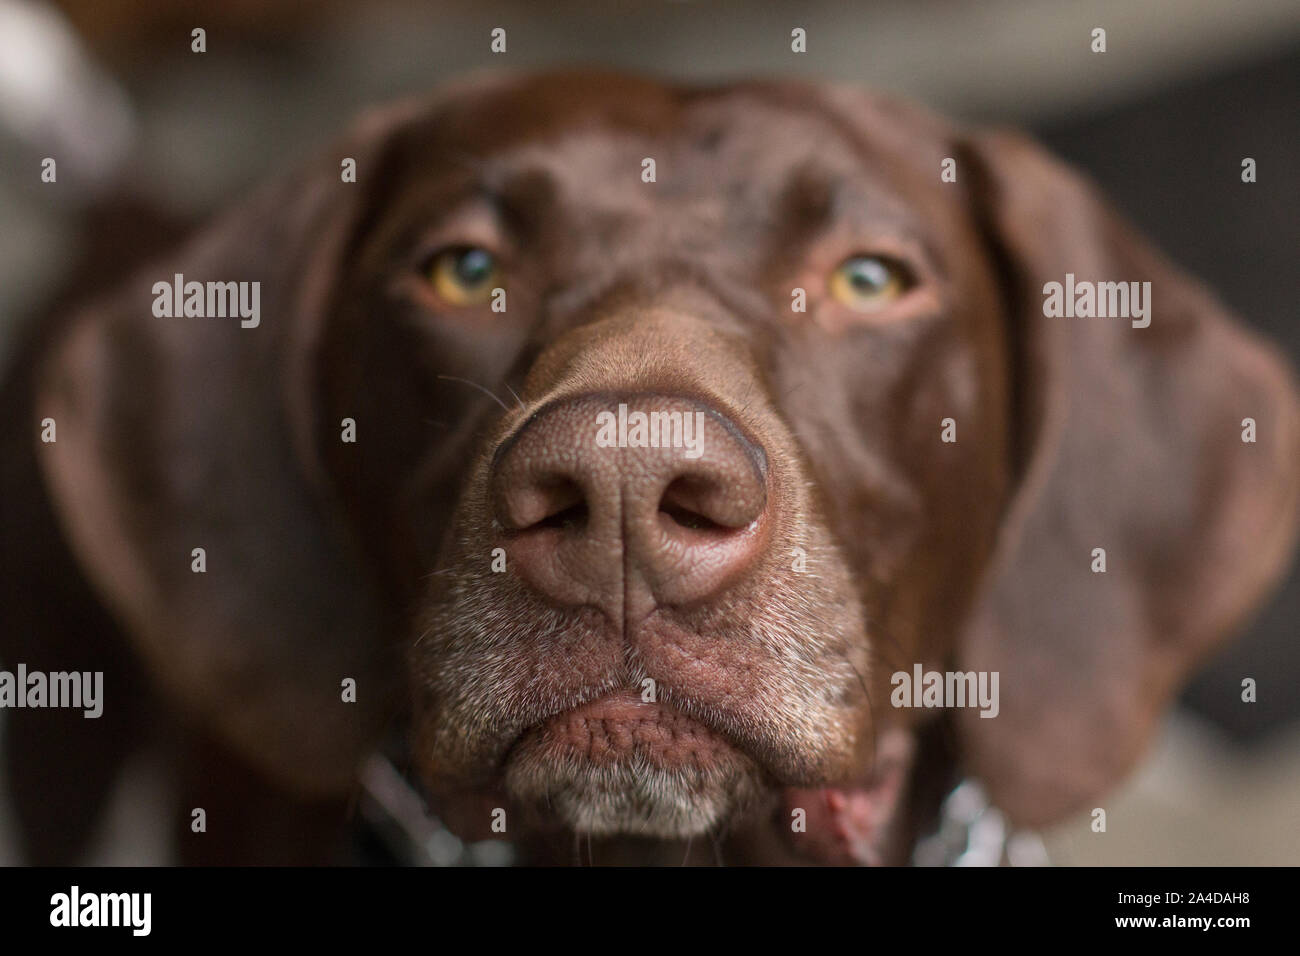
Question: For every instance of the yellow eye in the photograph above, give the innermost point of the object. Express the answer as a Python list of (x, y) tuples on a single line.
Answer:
[(464, 275), (867, 283)]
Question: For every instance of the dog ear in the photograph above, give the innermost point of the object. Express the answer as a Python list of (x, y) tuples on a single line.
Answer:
[(1131, 441), (177, 433)]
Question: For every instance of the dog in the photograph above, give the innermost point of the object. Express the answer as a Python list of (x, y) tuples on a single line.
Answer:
[(622, 449)]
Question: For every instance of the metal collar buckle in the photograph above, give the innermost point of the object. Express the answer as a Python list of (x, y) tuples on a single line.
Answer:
[(973, 832)]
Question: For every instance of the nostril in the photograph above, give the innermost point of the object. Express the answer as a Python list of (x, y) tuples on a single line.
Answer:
[(705, 532), (557, 502), (713, 500), (690, 520), (686, 502), (573, 518)]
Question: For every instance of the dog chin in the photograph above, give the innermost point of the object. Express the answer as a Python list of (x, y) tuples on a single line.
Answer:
[(620, 766), (634, 797)]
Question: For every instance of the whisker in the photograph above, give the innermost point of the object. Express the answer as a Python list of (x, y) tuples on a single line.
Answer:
[(870, 709), (485, 391), (717, 848)]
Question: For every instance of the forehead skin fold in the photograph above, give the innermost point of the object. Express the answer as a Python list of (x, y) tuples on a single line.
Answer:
[(753, 131), (729, 159)]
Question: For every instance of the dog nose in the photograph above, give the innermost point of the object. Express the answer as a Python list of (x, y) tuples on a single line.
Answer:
[(630, 502)]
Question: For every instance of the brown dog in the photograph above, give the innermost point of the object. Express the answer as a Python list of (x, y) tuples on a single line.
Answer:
[(874, 450)]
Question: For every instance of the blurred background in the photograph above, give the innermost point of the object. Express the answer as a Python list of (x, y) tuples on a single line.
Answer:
[(151, 137)]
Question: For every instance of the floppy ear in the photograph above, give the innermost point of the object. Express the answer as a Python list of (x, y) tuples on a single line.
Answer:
[(1130, 440), (177, 433)]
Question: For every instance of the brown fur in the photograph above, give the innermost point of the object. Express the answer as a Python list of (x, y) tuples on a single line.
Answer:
[(372, 561)]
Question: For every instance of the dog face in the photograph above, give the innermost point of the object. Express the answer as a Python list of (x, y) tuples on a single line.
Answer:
[(685, 419), (765, 589)]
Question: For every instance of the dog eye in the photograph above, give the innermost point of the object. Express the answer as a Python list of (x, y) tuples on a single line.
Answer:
[(464, 275), (867, 283)]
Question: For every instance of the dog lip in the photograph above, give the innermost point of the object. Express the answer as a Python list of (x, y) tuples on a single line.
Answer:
[(628, 706), (624, 708), (625, 715), (620, 705)]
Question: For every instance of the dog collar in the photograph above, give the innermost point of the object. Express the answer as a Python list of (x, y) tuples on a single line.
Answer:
[(973, 832)]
